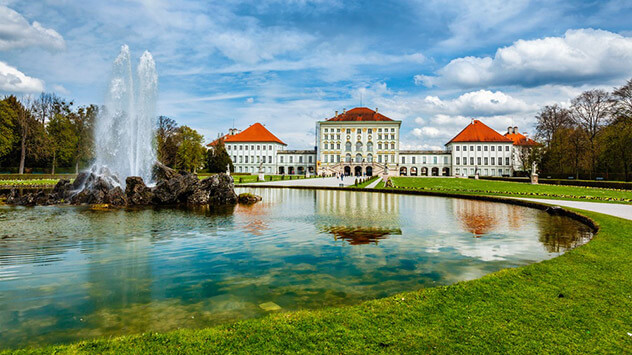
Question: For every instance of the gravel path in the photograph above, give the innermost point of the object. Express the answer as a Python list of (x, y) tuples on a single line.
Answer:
[(328, 181)]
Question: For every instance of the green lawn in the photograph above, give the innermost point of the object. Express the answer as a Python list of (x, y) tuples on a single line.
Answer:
[(246, 179), (505, 188), (27, 183), (366, 183), (580, 302)]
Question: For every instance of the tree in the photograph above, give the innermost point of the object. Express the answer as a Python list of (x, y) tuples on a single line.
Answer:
[(577, 140), (622, 100), (166, 141), (190, 154), (83, 126), (62, 138), (217, 159), (550, 120), (8, 117), (590, 111), (25, 124)]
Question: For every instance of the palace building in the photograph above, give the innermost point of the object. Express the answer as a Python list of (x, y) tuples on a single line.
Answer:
[(364, 142)]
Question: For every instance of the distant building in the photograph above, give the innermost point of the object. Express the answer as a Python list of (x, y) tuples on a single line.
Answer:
[(363, 142), (480, 149)]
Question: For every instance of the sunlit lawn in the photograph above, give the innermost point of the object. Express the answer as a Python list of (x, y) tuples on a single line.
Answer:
[(519, 189)]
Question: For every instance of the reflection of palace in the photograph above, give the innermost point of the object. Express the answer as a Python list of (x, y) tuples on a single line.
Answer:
[(478, 217), (364, 142)]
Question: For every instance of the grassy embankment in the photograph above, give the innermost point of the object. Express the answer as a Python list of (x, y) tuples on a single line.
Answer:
[(580, 302), (515, 189), (366, 183)]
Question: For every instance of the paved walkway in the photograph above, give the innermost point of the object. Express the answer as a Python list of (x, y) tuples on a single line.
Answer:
[(314, 182), (613, 209)]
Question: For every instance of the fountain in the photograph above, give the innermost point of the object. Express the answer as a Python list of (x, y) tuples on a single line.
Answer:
[(126, 156)]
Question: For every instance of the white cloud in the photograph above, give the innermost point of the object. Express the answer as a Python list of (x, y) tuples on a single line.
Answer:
[(16, 32), (12, 80), (580, 56), (479, 103)]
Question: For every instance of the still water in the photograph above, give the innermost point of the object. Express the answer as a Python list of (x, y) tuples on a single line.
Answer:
[(70, 273)]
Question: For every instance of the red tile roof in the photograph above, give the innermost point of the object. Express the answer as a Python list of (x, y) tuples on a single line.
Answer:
[(520, 139), (255, 133), (477, 131), (213, 143), (360, 114)]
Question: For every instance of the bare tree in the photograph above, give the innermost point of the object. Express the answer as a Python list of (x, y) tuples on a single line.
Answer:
[(590, 111), (622, 100), (550, 120)]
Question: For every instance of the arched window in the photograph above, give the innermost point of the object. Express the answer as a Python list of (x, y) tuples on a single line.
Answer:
[(369, 158), (348, 146), (359, 147), (369, 147), (358, 158), (348, 157)]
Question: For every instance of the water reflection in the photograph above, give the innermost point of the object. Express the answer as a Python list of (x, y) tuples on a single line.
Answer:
[(360, 235), (68, 273)]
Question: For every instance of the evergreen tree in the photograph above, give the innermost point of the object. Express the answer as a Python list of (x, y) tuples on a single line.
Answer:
[(217, 159)]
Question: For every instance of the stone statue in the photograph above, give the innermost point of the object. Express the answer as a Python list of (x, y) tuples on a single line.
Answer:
[(261, 177), (534, 168), (228, 169)]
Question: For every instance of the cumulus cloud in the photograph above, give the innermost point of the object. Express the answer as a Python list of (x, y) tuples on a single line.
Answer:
[(580, 56), (478, 103), (16, 32), (12, 80)]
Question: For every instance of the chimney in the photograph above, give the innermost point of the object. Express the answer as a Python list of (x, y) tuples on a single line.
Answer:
[(516, 129), (344, 110), (376, 109), (509, 130), (336, 113)]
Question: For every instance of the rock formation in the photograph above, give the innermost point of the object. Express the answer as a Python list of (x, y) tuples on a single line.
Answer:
[(101, 187)]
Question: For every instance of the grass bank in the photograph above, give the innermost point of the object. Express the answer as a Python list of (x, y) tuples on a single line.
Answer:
[(516, 189), (580, 302)]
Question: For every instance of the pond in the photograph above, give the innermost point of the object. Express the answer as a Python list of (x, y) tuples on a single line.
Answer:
[(70, 273)]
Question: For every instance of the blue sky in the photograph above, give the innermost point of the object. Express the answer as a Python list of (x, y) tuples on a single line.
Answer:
[(288, 63)]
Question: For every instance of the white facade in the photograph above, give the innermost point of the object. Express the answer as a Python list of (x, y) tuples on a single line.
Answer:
[(486, 158), (247, 156), (368, 144)]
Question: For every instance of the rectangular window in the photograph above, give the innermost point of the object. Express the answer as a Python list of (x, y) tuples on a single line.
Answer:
[(506, 161), (291, 159), (326, 130), (241, 160), (392, 136), (337, 145), (500, 148), (471, 148), (424, 160), (245, 147), (252, 147), (269, 147), (300, 159), (403, 160), (486, 161), (326, 146), (458, 160), (379, 158), (478, 161), (337, 158), (413, 160), (485, 149), (434, 160), (478, 148), (370, 131), (281, 159), (228, 147), (269, 158), (310, 159), (493, 160), (258, 159), (392, 145), (457, 148), (506, 148), (445, 160), (246, 157), (348, 131), (392, 129), (472, 161), (500, 161), (264, 147), (379, 136), (492, 149)]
